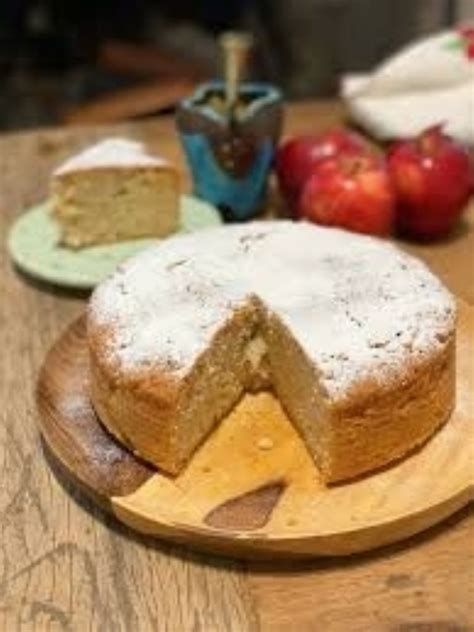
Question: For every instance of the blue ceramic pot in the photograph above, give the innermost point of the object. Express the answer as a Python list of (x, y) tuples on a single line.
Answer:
[(230, 159)]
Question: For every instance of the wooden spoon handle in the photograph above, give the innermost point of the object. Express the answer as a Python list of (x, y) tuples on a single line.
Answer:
[(236, 48)]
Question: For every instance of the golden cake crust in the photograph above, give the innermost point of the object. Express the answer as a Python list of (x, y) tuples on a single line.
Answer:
[(376, 426)]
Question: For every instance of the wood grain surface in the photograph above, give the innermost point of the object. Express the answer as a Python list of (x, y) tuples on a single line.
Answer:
[(65, 565)]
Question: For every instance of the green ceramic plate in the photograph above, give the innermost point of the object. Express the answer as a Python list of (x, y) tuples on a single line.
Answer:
[(33, 246)]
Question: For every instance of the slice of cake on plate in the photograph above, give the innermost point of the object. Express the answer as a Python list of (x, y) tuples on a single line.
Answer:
[(114, 191)]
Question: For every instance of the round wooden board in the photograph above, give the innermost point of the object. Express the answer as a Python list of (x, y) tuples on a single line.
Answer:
[(251, 490)]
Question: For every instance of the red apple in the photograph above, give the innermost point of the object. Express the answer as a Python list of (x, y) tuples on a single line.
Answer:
[(350, 191), (432, 178), (298, 157)]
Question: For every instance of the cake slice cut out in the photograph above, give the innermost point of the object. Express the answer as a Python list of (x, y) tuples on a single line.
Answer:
[(114, 191)]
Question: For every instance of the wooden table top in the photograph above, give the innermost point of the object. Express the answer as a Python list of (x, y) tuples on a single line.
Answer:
[(65, 565)]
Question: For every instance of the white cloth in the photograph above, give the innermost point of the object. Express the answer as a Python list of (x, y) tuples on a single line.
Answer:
[(429, 82)]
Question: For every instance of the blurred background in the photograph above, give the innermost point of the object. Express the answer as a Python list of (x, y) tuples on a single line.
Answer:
[(85, 61)]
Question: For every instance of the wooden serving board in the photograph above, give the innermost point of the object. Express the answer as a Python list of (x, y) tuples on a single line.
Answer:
[(252, 490)]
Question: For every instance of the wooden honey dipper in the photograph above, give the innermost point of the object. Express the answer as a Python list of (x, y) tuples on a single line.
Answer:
[(236, 49)]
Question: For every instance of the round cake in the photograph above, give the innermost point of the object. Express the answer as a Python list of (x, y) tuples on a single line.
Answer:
[(355, 338)]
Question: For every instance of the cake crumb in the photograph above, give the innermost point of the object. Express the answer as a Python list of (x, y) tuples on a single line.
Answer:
[(265, 443)]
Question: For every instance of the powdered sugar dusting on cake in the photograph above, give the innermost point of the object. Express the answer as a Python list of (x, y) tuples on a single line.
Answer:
[(111, 152), (357, 306)]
